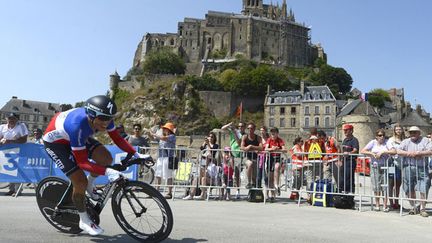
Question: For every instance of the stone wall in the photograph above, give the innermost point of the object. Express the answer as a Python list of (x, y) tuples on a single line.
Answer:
[(225, 104), (130, 86), (364, 128)]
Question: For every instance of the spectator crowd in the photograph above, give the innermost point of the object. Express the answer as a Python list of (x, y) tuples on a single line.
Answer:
[(399, 161)]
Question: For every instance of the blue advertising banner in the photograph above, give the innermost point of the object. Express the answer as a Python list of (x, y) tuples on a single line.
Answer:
[(29, 163), (24, 163)]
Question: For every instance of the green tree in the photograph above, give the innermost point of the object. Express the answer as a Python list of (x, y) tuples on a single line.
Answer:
[(164, 61), (338, 80), (226, 79), (239, 64), (206, 82), (377, 97)]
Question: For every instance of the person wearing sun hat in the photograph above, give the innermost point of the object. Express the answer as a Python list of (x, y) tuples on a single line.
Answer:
[(167, 145), (415, 151)]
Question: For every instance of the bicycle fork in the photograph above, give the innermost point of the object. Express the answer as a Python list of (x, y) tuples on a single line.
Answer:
[(128, 198)]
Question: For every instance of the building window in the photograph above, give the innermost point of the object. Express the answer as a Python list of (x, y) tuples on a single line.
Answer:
[(271, 122), (282, 110), (316, 109), (282, 122), (327, 122), (327, 109), (316, 121), (293, 110), (272, 110), (293, 122), (306, 110), (306, 121)]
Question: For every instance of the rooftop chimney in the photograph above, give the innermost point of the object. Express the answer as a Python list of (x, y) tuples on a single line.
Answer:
[(302, 87)]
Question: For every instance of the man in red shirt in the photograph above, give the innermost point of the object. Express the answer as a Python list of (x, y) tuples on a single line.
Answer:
[(275, 145)]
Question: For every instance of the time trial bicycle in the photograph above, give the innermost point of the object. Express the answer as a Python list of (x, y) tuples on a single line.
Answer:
[(140, 210)]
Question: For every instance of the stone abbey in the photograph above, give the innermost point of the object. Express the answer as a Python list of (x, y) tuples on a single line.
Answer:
[(262, 32)]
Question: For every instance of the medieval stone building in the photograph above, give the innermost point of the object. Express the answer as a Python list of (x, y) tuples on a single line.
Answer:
[(264, 33)]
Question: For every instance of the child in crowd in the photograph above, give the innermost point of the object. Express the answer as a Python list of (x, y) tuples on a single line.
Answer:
[(228, 171)]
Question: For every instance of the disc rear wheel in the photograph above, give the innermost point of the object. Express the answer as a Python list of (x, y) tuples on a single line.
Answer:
[(49, 192)]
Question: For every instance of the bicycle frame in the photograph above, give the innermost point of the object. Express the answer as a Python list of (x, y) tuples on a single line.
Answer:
[(108, 189), (100, 204)]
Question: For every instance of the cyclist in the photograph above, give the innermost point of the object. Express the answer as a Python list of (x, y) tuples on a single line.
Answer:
[(68, 141)]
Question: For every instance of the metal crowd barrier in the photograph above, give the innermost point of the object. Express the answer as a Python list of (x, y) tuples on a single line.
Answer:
[(350, 174)]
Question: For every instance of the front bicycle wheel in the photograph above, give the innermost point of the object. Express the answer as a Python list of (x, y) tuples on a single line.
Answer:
[(142, 212)]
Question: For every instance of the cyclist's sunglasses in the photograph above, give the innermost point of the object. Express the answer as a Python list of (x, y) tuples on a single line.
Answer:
[(105, 118)]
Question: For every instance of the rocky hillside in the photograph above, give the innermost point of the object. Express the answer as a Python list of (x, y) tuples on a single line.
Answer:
[(174, 100)]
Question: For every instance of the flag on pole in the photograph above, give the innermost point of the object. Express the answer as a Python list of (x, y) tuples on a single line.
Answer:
[(239, 110), (364, 96)]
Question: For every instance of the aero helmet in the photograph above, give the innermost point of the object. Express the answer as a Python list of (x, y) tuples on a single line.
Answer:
[(100, 106)]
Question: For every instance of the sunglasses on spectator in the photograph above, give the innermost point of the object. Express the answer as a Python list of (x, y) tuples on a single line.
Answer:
[(137, 128), (380, 135)]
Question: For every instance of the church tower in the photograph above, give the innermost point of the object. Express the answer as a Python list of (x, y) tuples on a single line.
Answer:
[(284, 10), (253, 8)]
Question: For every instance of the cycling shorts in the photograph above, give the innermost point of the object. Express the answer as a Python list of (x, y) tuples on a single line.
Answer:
[(62, 155)]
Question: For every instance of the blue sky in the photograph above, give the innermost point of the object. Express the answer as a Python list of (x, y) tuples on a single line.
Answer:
[(64, 51)]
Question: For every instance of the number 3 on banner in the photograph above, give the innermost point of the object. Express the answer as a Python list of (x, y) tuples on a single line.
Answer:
[(9, 161)]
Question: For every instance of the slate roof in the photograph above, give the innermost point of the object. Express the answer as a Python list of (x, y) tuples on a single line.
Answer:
[(311, 93), (318, 93), (414, 119), (30, 107), (357, 107)]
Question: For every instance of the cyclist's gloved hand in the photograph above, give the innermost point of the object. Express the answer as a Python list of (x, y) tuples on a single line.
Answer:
[(118, 167), (127, 158), (113, 174), (141, 156)]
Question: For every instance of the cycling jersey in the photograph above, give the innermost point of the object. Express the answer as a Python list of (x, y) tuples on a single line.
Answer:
[(72, 128)]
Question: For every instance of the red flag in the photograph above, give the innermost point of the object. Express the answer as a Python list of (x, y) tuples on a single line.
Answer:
[(239, 110)]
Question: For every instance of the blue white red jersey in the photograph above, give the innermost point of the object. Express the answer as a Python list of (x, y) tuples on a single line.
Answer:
[(72, 128)]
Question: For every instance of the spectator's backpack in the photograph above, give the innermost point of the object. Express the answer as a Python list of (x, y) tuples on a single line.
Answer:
[(255, 196), (343, 201), (321, 195)]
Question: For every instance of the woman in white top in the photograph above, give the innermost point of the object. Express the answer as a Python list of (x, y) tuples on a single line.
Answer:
[(395, 180), (13, 132), (378, 150)]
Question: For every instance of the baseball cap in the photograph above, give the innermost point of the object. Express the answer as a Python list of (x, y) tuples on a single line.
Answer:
[(414, 129), (347, 127)]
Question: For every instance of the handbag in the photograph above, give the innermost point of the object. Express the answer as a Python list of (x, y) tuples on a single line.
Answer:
[(173, 163), (343, 201)]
